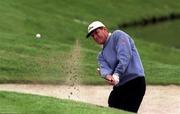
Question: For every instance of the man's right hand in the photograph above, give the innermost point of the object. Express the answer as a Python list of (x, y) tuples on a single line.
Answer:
[(110, 80)]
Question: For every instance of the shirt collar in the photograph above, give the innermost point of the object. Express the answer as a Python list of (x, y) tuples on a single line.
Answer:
[(107, 40)]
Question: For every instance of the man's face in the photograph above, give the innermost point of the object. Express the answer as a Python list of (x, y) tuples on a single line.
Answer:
[(100, 35)]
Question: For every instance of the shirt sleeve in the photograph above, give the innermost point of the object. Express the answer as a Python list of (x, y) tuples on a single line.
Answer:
[(104, 67), (124, 54)]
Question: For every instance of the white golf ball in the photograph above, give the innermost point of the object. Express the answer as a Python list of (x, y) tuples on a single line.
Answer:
[(38, 35)]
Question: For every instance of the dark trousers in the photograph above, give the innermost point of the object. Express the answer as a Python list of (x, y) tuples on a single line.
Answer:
[(128, 96)]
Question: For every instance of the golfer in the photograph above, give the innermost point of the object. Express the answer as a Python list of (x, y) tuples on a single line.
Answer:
[(120, 65)]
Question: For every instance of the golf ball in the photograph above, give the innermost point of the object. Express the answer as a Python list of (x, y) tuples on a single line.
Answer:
[(38, 35)]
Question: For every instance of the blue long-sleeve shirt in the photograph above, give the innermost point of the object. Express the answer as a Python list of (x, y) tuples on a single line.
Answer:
[(119, 55)]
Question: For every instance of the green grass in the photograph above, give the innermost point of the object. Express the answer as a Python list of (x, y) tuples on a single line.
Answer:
[(161, 63), (17, 103), (32, 59), (166, 34), (52, 59)]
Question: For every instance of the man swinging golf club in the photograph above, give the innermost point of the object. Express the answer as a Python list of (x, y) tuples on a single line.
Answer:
[(119, 64)]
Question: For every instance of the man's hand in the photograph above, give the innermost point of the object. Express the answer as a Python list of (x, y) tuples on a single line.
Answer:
[(112, 79)]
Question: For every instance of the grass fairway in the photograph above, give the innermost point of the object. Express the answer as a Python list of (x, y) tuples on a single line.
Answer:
[(17, 103)]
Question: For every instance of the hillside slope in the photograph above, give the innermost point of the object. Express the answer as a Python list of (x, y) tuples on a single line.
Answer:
[(26, 59)]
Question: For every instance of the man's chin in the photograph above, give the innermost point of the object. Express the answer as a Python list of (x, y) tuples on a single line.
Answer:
[(101, 43)]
